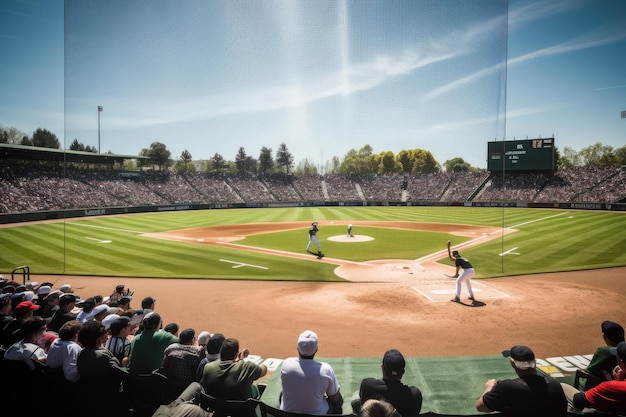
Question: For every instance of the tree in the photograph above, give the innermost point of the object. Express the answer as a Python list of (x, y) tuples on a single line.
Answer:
[(158, 154), (184, 163), (305, 167), (569, 159), (26, 141), (266, 162), (284, 158), (240, 160), (11, 135), (217, 163), (77, 146), (388, 164), (185, 156), (457, 165), (598, 155), (620, 155), (45, 139)]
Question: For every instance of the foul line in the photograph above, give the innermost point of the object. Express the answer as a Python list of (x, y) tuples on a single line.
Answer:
[(241, 264), (538, 220), (104, 227)]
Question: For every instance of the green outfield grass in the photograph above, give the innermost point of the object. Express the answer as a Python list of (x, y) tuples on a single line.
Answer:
[(545, 241)]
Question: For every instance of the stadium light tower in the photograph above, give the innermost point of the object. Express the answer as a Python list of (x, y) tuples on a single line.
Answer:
[(99, 111)]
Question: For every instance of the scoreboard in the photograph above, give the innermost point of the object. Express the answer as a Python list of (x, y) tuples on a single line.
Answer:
[(521, 155)]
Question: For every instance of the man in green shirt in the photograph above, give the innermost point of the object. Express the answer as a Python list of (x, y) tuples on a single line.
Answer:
[(146, 349), (603, 362), (232, 377)]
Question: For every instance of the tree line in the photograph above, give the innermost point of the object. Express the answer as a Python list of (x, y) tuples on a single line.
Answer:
[(354, 163)]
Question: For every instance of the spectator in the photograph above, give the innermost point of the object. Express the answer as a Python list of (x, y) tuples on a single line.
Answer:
[(407, 400), (118, 343), (27, 349), (377, 408), (63, 352), (116, 296), (181, 360), (50, 304), (608, 396), (12, 332), (203, 338), (147, 304), (171, 328), (232, 377), (603, 362), (213, 346), (99, 371), (87, 310), (100, 312), (6, 315), (123, 304), (146, 352), (530, 394), (67, 302), (309, 386)]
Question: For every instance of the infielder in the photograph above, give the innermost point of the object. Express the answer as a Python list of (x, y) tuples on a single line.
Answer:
[(313, 238), (467, 272)]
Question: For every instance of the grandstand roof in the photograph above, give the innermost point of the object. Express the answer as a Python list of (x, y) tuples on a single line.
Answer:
[(36, 153)]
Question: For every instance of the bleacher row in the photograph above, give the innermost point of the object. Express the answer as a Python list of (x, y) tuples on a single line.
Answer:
[(31, 188)]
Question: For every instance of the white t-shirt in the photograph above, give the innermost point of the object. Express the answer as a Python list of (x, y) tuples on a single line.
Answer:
[(25, 351), (63, 354), (306, 383)]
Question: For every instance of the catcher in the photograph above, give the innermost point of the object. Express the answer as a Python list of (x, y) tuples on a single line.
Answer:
[(466, 273)]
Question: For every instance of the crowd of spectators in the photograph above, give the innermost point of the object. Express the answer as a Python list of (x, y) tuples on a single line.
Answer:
[(31, 187), (82, 355)]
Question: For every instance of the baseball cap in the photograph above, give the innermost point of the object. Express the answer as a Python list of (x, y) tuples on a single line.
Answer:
[(67, 288), (54, 295), (619, 350), (307, 343), (125, 300), (43, 290), (100, 309), (393, 362), (522, 356), (88, 304), (612, 330), (67, 299), (119, 288), (455, 253), (118, 324), (25, 307), (110, 319), (5, 298), (151, 320)]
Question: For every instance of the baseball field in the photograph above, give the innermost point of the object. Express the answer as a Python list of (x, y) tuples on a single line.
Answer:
[(545, 278)]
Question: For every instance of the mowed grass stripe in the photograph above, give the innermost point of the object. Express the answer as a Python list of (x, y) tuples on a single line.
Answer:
[(546, 240)]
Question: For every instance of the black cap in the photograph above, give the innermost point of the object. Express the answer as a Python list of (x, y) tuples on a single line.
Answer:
[(393, 362), (67, 299), (522, 356), (456, 253), (125, 300), (613, 331), (119, 324)]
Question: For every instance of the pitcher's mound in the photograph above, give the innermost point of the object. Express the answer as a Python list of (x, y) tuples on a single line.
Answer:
[(353, 238)]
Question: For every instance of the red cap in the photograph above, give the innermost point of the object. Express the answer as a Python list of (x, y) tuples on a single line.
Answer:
[(24, 307)]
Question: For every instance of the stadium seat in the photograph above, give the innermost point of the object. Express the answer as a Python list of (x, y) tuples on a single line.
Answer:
[(229, 408), (584, 380), (269, 411)]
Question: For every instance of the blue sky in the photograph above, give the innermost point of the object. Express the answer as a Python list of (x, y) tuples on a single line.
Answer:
[(322, 76)]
